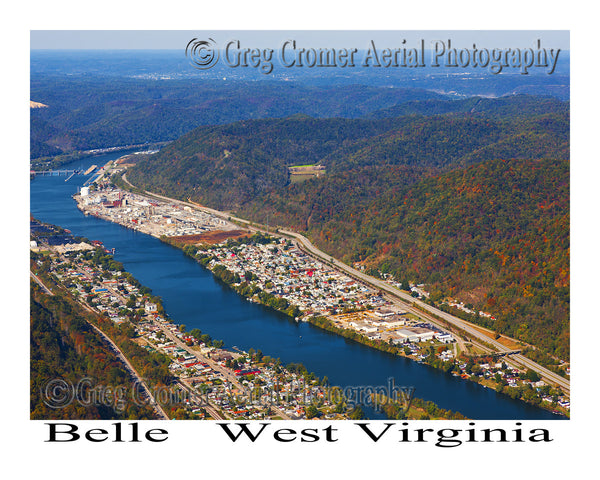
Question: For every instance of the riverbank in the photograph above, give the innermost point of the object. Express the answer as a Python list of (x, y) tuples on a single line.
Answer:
[(58, 161), (251, 385), (144, 214), (315, 292)]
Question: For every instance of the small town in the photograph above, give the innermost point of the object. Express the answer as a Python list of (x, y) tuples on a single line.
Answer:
[(227, 383), (283, 270), (278, 267), (306, 287), (220, 383), (147, 215)]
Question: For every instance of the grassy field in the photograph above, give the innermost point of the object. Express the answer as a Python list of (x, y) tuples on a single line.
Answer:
[(300, 178), (300, 173)]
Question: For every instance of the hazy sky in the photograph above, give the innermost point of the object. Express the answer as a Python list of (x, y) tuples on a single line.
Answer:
[(177, 39)]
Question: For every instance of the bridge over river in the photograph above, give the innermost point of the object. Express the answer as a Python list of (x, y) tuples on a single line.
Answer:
[(61, 172)]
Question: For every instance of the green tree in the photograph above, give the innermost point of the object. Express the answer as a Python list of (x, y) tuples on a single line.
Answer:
[(312, 411), (357, 413), (131, 302), (196, 333), (531, 375)]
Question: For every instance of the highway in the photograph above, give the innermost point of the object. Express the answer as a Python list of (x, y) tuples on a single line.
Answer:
[(405, 299), (159, 410), (40, 283), (157, 407)]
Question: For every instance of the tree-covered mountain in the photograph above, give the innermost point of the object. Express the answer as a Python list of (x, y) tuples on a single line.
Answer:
[(476, 206), (68, 353), (229, 165), (86, 112), (93, 112), (494, 235), (502, 107), (226, 166)]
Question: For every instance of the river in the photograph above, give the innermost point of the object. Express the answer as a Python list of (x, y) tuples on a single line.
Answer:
[(192, 296)]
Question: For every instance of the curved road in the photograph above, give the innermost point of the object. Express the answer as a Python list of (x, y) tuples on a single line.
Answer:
[(405, 299), (157, 407), (40, 283), (120, 355), (451, 319)]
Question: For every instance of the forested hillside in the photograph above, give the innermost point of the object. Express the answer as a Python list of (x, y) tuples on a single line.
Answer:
[(495, 235), (227, 166), (502, 107), (85, 113), (66, 351), (475, 206)]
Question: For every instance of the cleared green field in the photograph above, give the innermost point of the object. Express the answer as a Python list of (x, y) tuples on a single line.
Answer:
[(299, 173), (303, 166), (297, 178)]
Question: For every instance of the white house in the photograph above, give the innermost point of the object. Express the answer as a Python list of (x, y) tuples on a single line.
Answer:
[(444, 337), (150, 307)]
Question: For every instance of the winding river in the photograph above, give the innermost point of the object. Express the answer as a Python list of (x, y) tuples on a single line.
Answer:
[(193, 297)]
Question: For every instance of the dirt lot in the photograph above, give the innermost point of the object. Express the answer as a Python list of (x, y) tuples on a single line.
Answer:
[(213, 237), (299, 174), (307, 169), (507, 342), (127, 160)]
